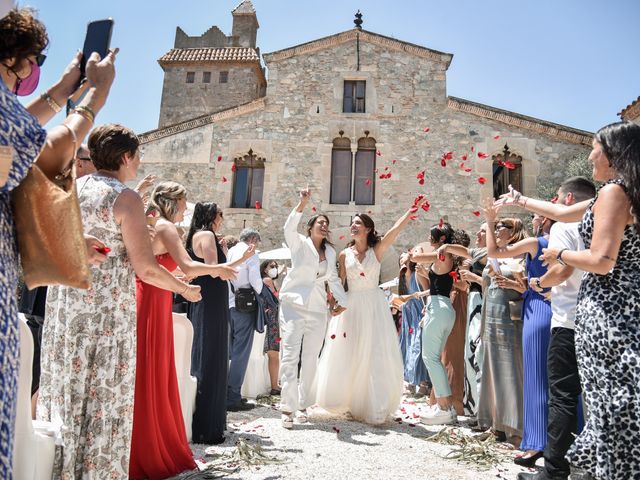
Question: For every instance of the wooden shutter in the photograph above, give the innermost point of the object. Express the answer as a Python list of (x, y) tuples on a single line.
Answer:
[(257, 185), (360, 96), (341, 171), (347, 98), (240, 188), (364, 194)]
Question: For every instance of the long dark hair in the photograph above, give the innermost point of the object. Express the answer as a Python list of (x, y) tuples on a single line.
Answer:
[(204, 213), (621, 144), (312, 222), (403, 288), (372, 237), (437, 232)]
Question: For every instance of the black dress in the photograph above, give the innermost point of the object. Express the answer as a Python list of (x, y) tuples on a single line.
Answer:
[(210, 355)]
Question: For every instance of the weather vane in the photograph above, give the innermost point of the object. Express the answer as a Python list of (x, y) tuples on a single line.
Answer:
[(358, 20)]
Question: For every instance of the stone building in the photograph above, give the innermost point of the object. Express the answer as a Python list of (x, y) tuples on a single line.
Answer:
[(355, 115), (631, 113)]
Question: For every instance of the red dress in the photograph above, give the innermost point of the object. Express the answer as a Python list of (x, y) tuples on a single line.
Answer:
[(159, 447)]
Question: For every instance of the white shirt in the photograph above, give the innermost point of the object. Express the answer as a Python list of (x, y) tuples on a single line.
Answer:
[(565, 296), (248, 272)]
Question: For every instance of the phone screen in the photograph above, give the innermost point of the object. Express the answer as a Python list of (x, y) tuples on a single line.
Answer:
[(98, 39)]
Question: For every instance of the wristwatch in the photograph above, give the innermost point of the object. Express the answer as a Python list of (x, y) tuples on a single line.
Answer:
[(559, 257), (537, 282)]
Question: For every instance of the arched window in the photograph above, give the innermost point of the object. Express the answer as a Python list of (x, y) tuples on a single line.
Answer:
[(341, 171), (364, 184), (248, 181), (507, 170)]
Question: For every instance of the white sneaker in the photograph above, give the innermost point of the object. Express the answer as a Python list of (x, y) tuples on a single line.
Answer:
[(287, 420), (302, 416), (437, 416)]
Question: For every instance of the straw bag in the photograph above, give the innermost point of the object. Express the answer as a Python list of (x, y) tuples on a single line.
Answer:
[(49, 229)]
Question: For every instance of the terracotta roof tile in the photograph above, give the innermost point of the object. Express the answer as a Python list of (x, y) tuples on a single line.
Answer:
[(229, 54)]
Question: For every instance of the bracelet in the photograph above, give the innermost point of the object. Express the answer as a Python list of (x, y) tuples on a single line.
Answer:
[(50, 101), (524, 205), (86, 111), (559, 257)]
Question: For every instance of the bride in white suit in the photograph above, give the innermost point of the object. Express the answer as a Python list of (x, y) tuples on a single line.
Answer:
[(303, 308)]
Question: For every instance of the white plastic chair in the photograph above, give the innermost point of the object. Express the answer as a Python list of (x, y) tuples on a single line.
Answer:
[(34, 441), (187, 385)]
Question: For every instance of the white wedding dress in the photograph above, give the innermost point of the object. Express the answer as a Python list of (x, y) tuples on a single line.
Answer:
[(360, 369)]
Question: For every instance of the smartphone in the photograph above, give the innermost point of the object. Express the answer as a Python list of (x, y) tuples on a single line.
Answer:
[(98, 39)]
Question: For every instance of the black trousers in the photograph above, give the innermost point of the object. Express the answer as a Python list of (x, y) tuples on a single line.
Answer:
[(35, 324), (564, 401)]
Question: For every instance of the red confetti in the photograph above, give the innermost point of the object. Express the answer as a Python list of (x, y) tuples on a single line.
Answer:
[(362, 274), (413, 217), (375, 171), (382, 176), (388, 175), (441, 257), (224, 179), (482, 180), (425, 206), (336, 429), (426, 130), (473, 149), (447, 156), (394, 162), (443, 162), (219, 158), (386, 168), (378, 153), (467, 170), (410, 330), (368, 182), (464, 157), (509, 165), (482, 155), (441, 223), (258, 205), (421, 181), (418, 198), (278, 340), (455, 276), (476, 213), (233, 167), (420, 174), (314, 209), (344, 334), (497, 137), (413, 209), (103, 250), (333, 337)]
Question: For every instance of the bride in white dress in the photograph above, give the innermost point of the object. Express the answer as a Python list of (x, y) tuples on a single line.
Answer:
[(361, 370)]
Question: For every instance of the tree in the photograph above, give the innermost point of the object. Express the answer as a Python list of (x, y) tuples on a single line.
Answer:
[(578, 165)]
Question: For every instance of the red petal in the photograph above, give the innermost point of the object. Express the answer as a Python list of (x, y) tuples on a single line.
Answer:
[(219, 157), (464, 158), (497, 137), (421, 181), (426, 206), (375, 171), (394, 162), (501, 163), (224, 179), (362, 274), (441, 257), (410, 330), (476, 213), (386, 168), (509, 165), (233, 167), (473, 149), (388, 175), (258, 205), (455, 276), (378, 153), (419, 197), (368, 182), (413, 209), (278, 340), (482, 155), (448, 155), (382, 176), (413, 217), (333, 337), (314, 209), (467, 170), (443, 162), (420, 174), (482, 180), (441, 223), (426, 130)]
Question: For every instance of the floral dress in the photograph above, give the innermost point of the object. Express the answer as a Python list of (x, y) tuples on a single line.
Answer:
[(21, 137), (608, 353), (89, 351)]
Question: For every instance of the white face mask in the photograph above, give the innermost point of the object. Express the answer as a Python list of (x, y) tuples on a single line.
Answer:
[(272, 272)]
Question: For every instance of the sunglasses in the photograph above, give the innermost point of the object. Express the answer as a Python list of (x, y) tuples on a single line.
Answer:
[(502, 225), (40, 58)]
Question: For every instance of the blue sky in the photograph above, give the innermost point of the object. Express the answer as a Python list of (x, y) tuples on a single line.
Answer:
[(573, 62)]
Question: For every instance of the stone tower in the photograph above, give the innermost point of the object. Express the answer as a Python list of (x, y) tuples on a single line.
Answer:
[(212, 72)]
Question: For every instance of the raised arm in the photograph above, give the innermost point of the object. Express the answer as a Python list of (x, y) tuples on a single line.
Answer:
[(611, 216), (453, 249), (129, 212), (291, 235), (528, 245), (554, 211), (387, 240)]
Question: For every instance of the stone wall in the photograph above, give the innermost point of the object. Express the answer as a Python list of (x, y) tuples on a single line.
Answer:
[(301, 116), (183, 101)]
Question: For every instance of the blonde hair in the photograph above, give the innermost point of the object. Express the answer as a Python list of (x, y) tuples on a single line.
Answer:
[(165, 198), (518, 230)]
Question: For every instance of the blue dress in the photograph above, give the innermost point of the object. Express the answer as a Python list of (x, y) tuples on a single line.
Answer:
[(536, 332), (415, 370), (22, 132)]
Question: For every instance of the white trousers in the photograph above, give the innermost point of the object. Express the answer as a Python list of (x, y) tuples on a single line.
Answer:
[(295, 323)]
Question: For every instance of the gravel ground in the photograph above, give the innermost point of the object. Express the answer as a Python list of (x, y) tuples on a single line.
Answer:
[(334, 447)]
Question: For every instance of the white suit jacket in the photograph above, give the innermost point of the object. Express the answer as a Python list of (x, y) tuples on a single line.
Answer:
[(299, 283)]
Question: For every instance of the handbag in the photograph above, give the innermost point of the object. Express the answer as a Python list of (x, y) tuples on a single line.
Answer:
[(49, 230), (246, 301)]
